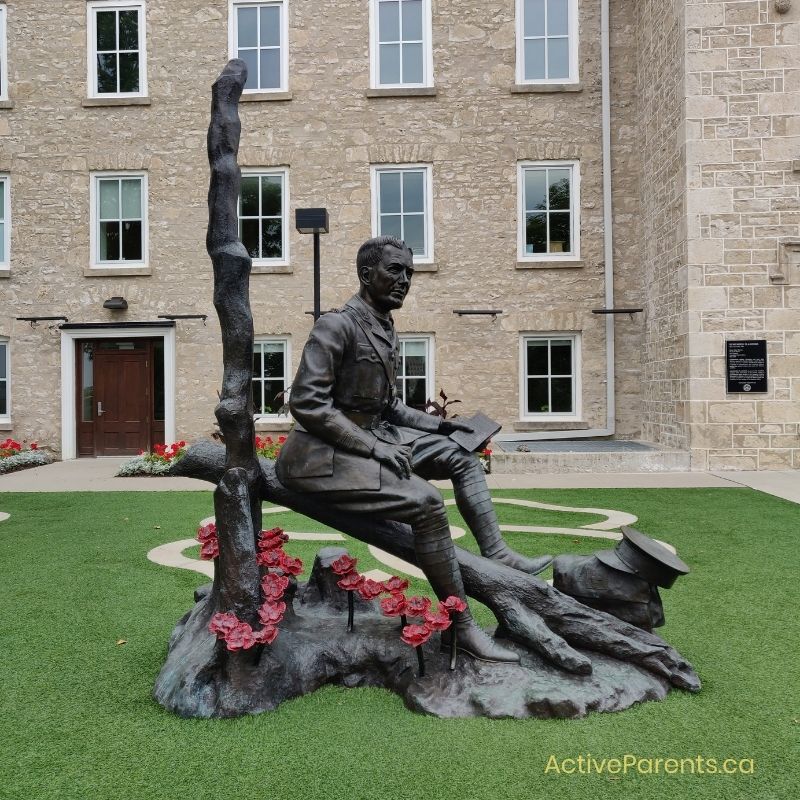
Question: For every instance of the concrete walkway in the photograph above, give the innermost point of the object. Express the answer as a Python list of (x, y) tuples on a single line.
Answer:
[(97, 475)]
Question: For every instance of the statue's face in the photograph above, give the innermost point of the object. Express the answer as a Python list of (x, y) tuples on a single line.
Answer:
[(387, 283)]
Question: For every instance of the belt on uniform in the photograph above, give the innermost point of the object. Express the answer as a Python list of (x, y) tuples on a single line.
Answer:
[(362, 419)]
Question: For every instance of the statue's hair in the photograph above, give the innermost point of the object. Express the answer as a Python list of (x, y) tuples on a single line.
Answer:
[(371, 252)]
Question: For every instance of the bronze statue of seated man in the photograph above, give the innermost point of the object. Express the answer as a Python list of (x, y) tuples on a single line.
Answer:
[(358, 448)]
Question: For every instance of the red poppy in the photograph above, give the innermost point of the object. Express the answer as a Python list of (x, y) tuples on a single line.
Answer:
[(240, 638), (222, 623), (417, 606), (350, 582), (181, 444), (370, 589), (271, 613), (34, 446), (416, 635), (281, 439), (395, 585), (294, 566), (452, 605), (269, 558), (437, 622), (344, 564), (273, 586), (267, 635), (210, 549), (206, 532), (394, 606)]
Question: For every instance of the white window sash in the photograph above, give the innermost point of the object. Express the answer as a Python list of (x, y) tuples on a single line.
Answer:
[(92, 9), (5, 355), (556, 416), (233, 40), (427, 49), (574, 210), (427, 341), (283, 173), (5, 261), (285, 342), (3, 53), (572, 37), (94, 201)]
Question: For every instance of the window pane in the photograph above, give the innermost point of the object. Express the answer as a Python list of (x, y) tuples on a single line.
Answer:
[(415, 365), (535, 190), (257, 363), (107, 73), (537, 358), (273, 362), (158, 380), (132, 241), (249, 199), (538, 401), (390, 226), (128, 30), (558, 58), (270, 26), (271, 196), (129, 72), (3, 399), (3, 360), (412, 20), (131, 199), (561, 357), (109, 241), (109, 199), (258, 397), (250, 57), (414, 349), (534, 18), (271, 238), (389, 191), (270, 69), (272, 396), (87, 384), (416, 393), (557, 17), (560, 239), (414, 233), (561, 389), (388, 22), (2, 200), (250, 237), (412, 63), (413, 191), (389, 63), (534, 59), (536, 233), (2, 242), (106, 30), (559, 188), (247, 27)]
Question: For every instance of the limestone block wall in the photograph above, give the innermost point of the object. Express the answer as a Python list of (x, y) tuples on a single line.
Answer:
[(742, 145)]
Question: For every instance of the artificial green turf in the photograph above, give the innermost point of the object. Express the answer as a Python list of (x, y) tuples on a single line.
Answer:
[(77, 721)]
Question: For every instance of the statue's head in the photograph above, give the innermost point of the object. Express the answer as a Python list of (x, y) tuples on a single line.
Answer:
[(385, 266)]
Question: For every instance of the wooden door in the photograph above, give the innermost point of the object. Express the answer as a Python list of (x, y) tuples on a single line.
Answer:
[(121, 399)]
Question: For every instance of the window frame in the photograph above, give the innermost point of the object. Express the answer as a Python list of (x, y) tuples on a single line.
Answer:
[(572, 38), (5, 342), (577, 404), (574, 210), (94, 212), (286, 341), (5, 188), (283, 261), (233, 49), (3, 52), (92, 7), (430, 367), (375, 171), (427, 50)]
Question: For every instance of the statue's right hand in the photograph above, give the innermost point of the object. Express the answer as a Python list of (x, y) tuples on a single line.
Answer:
[(396, 457)]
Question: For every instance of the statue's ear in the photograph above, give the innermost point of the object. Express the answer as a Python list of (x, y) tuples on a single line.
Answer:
[(364, 274)]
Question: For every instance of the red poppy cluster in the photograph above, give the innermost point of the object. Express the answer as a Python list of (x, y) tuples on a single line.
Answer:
[(268, 447), (209, 543), (237, 634), (10, 447), (165, 453)]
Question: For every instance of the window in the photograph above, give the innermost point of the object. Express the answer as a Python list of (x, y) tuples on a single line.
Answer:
[(270, 375), (259, 36), (262, 216), (117, 49), (5, 223), (402, 207), (548, 211), (5, 381), (547, 42), (401, 43), (3, 54), (414, 380), (550, 375), (119, 225)]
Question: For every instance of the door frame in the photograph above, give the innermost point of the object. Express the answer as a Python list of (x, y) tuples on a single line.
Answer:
[(70, 335)]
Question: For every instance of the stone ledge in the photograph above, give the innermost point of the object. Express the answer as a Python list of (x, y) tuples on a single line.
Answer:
[(268, 425), (545, 425), (272, 269), (545, 88), (5, 273), (426, 268), (6, 426), (550, 264), (420, 91), (115, 272), (265, 97), (101, 102), (8, 104)]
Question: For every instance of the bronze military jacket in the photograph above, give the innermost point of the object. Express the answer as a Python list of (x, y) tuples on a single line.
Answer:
[(343, 400)]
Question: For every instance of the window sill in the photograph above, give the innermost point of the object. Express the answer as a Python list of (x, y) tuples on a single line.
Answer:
[(545, 88), (100, 102), (5, 425), (426, 268), (8, 104), (5, 272), (273, 425), (578, 264), (115, 272), (265, 97), (526, 425), (399, 91), (272, 269)]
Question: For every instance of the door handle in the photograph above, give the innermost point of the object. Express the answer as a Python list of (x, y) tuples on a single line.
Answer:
[(100, 411)]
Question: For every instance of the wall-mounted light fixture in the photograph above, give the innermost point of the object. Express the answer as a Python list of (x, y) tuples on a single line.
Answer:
[(313, 220), (116, 304)]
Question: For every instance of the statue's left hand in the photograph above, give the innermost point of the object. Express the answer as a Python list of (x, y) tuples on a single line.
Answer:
[(448, 426)]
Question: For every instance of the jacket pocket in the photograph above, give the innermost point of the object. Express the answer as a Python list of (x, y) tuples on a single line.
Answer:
[(305, 456)]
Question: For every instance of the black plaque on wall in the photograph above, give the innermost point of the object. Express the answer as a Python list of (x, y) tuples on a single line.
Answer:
[(746, 366)]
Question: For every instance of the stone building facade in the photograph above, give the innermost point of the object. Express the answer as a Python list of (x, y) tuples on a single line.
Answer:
[(468, 108)]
